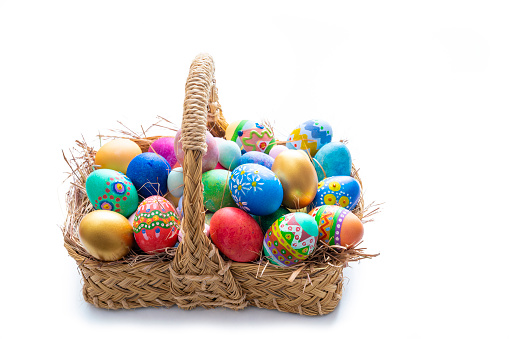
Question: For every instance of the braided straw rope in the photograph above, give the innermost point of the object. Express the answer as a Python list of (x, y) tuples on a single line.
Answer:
[(195, 274)]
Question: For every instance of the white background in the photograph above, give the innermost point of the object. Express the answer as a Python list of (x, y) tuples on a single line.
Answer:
[(419, 89)]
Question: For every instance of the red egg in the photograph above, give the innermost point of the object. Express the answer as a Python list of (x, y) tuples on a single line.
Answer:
[(236, 234), (155, 225)]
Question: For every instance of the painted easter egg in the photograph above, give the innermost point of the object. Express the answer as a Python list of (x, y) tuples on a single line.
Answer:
[(155, 225), (332, 159), (106, 235), (343, 191), (298, 178), (265, 221), (175, 182), (209, 159), (256, 189), (236, 234), (149, 173), (216, 193), (251, 136), (290, 239), (112, 191), (165, 148), (254, 157), (337, 225), (117, 154), (229, 154), (310, 136)]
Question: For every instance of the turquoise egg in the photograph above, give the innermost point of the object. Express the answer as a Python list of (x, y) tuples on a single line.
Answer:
[(256, 189), (331, 160), (343, 191), (229, 154), (113, 191), (254, 157)]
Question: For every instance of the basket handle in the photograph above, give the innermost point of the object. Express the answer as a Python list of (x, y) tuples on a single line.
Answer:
[(200, 275)]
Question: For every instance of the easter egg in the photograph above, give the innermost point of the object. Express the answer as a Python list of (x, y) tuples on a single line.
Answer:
[(117, 154), (229, 154), (298, 177), (175, 182), (106, 235), (310, 136), (274, 151), (290, 239), (337, 225), (149, 173), (265, 221), (209, 159), (332, 159), (155, 225), (254, 157), (165, 148), (251, 136), (343, 191), (236, 234), (255, 189), (216, 193), (112, 191)]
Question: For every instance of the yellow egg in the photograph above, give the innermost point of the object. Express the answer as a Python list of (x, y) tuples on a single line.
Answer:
[(231, 129), (298, 177), (117, 154), (106, 235)]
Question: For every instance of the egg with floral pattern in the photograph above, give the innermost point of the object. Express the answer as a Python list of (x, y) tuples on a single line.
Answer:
[(155, 225), (337, 225), (340, 190), (290, 239), (112, 191), (255, 189)]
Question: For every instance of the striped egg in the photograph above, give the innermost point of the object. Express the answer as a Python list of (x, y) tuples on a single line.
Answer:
[(337, 225)]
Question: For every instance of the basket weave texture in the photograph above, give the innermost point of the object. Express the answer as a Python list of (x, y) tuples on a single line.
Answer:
[(195, 274)]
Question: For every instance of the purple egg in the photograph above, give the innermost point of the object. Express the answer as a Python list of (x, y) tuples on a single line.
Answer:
[(209, 159), (274, 152), (255, 157), (165, 148)]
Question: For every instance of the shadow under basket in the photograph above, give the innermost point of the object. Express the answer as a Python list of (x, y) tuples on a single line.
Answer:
[(196, 274)]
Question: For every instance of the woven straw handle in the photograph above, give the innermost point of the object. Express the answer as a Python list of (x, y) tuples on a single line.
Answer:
[(194, 126)]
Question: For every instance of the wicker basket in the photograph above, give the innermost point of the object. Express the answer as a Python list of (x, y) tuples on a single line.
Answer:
[(195, 273)]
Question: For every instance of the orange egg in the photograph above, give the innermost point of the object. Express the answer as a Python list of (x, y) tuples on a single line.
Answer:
[(337, 225), (117, 154)]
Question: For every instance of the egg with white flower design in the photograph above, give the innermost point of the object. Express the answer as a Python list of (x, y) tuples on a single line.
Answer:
[(256, 189)]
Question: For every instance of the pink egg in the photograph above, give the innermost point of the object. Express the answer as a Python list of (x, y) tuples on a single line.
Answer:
[(165, 148), (274, 152), (219, 166), (210, 158)]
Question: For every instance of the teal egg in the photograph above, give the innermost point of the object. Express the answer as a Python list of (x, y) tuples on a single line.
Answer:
[(332, 159), (216, 193), (113, 191), (229, 154)]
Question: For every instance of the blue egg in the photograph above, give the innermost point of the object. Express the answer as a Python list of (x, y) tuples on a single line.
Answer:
[(149, 174), (256, 189), (255, 157), (343, 191), (331, 160)]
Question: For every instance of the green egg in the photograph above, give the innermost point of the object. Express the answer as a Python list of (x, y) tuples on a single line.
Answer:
[(113, 191), (216, 193)]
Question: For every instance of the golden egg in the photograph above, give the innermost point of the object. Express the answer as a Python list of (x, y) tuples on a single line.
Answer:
[(298, 177), (117, 154), (106, 235)]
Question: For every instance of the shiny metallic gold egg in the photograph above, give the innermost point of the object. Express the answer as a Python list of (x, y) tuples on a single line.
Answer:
[(106, 235), (298, 177)]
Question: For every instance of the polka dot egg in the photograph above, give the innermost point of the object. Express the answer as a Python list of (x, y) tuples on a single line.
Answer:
[(343, 191), (112, 191), (155, 225), (290, 239)]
